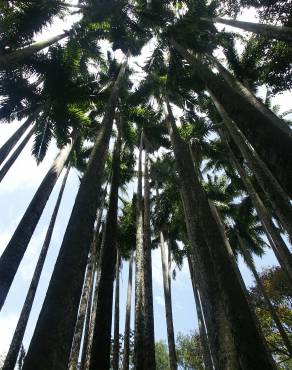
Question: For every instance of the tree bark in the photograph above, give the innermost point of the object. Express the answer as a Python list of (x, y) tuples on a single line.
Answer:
[(149, 347), (268, 31), (16, 248), (247, 349), (55, 326), (19, 56), (116, 345), (101, 344), (126, 359), (17, 339), (168, 306), (139, 281), (272, 143)]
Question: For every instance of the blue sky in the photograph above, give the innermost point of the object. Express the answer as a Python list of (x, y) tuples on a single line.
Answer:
[(16, 191)]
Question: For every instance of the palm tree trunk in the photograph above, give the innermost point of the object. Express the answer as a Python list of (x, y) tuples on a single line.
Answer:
[(12, 141), (19, 56), (7, 165), (168, 306), (270, 186), (101, 344), (282, 252), (15, 249), (249, 261), (246, 346), (116, 345), (57, 319), (126, 359), (272, 143), (268, 31), (207, 357), (139, 316), (16, 342), (149, 347)]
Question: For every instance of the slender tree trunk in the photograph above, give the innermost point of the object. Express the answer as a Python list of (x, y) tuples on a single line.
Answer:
[(19, 56), (17, 339), (272, 143), (282, 252), (270, 186), (7, 165), (246, 345), (13, 140), (202, 329), (268, 31), (149, 348), (126, 359), (168, 306), (139, 316), (249, 261), (116, 345), (16, 248), (100, 354), (55, 326)]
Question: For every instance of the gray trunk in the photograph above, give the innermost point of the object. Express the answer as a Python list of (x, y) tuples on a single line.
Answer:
[(116, 345), (16, 248), (17, 339)]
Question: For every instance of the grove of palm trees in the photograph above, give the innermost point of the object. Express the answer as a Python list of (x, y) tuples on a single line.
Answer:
[(163, 115)]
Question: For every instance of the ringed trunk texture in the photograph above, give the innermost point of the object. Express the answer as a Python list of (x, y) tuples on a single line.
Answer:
[(126, 359), (168, 306), (116, 345), (248, 350), (17, 339), (149, 347), (16, 248), (55, 326), (271, 142), (101, 344)]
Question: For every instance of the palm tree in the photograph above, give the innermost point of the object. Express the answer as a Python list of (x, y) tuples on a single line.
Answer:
[(17, 339), (116, 343)]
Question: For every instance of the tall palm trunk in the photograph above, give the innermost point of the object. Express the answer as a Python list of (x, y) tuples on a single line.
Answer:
[(16, 342), (149, 347), (7, 165), (270, 186), (207, 357), (16, 248), (116, 345), (168, 306), (249, 261), (246, 345), (13, 140), (268, 31), (19, 56), (139, 280), (55, 326), (282, 252), (100, 353), (126, 357), (272, 143)]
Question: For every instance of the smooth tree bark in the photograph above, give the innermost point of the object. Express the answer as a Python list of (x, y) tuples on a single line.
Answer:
[(55, 326), (271, 142), (270, 186), (139, 279), (16, 248), (149, 346), (116, 344), (126, 352), (101, 344), (247, 349), (7, 165), (18, 56), (249, 261), (168, 305), (16, 343), (268, 31)]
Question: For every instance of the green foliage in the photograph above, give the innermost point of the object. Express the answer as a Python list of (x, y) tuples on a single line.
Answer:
[(189, 352), (161, 356)]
